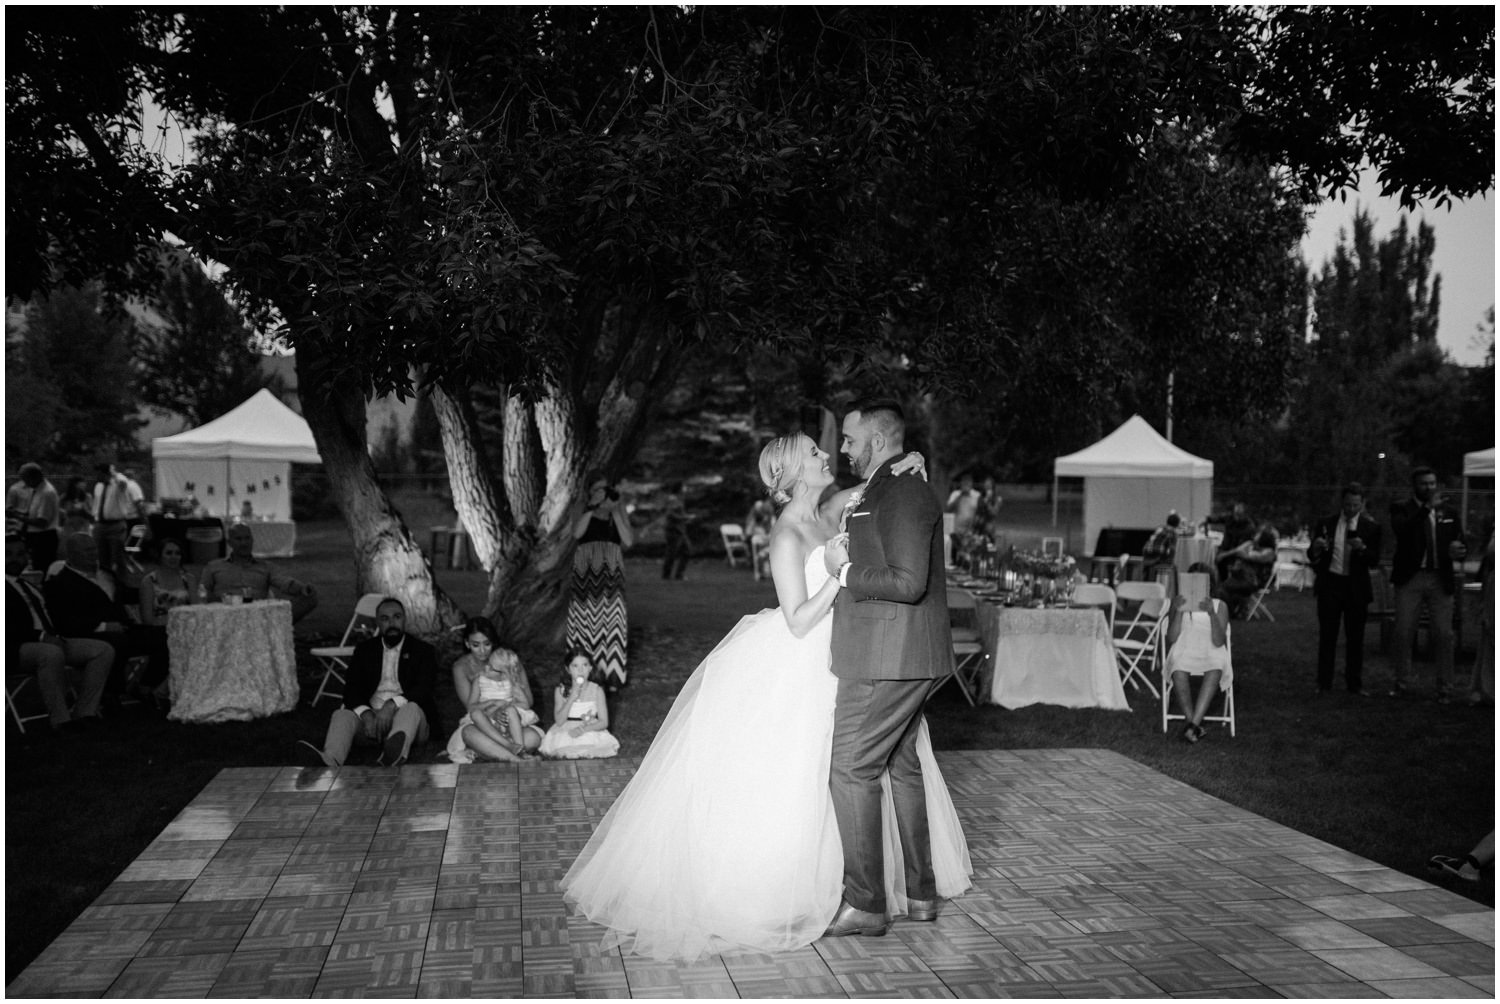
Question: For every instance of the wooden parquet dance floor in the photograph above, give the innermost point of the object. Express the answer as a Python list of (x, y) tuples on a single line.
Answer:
[(1095, 877)]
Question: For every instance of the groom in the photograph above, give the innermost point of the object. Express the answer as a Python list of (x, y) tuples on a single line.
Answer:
[(891, 643)]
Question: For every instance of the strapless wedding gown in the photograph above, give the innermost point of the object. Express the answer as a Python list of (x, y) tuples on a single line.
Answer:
[(725, 838)]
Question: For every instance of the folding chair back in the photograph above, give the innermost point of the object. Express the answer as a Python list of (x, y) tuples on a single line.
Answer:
[(14, 684), (335, 658), (1095, 594), (1052, 547), (1139, 637), (1256, 605), (968, 652), (1226, 711), (735, 545)]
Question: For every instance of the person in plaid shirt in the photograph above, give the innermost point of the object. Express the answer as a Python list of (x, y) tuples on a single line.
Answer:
[(1162, 547)]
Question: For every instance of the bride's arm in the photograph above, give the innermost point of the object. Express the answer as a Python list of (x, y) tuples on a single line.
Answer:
[(800, 610), (912, 463)]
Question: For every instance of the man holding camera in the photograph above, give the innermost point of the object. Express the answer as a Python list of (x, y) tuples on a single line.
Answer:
[(1428, 542), (1344, 549)]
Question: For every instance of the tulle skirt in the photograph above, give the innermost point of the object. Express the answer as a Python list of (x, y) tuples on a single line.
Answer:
[(725, 838)]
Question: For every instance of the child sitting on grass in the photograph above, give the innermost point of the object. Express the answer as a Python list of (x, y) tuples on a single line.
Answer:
[(580, 715), (493, 709)]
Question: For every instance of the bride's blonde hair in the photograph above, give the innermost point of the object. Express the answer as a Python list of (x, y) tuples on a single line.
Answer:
[(778, 468)]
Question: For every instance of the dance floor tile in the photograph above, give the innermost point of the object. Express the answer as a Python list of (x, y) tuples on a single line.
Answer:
[(1094, 877)]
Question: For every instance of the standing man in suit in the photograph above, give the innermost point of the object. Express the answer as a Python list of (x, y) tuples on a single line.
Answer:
[(34, 646), (1344, 550), (389, 697), (1428, 542), (891, 644)]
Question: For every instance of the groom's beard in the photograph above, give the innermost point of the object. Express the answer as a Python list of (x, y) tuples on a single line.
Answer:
[(860, 465)]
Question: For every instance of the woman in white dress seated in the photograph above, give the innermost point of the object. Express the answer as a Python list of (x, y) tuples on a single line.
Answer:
[(580, 714), (1198, 645), (725, 838)]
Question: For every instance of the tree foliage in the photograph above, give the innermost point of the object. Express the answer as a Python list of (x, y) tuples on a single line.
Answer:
[(69, 393), (1374, 381), (561, 204), (196, 356)]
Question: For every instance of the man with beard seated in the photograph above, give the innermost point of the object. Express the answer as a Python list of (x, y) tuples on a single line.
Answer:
[(389, 699)]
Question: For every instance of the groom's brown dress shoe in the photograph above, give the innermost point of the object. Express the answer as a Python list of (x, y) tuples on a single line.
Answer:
[(851, 921), (921, 909)]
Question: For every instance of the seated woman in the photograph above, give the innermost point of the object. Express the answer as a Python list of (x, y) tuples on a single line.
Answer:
[(1248, 568), (164, 587), (493, 708), (580, 716), (1197, 645), (468, 742)]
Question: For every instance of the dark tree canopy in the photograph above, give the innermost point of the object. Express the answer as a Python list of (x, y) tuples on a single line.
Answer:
[(561, 203)]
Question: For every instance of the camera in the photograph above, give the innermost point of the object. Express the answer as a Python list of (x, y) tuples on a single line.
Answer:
[(611, 494)]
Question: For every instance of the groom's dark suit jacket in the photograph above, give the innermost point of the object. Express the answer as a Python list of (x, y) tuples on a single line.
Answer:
[(891, 622)]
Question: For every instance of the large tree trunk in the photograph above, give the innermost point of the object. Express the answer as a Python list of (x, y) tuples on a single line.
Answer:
[(387, 559), (521, 523)]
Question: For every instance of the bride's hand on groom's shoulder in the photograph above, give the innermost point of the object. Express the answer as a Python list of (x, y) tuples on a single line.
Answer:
[(912, 463)]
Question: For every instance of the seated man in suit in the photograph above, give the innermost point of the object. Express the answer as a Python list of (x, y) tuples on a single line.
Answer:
[(244, 574), (34, 645), (389, 697)]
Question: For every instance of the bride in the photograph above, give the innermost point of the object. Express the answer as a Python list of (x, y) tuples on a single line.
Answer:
[(725, 838)]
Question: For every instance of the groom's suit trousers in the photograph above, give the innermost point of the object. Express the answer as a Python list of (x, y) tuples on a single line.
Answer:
[(875, 729)]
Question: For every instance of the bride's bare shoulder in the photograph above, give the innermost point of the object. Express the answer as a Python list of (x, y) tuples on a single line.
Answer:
[(790, 541)]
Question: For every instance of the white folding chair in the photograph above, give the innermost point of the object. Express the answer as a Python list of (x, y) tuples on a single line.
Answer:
[(1226, 711), (14, 684), (1052, 547), (1255, 606), (335, 658), (134, 542), (968, 651), (1139, 632), (1096, 594), (760, 555), (1292, 567), (735, 545)]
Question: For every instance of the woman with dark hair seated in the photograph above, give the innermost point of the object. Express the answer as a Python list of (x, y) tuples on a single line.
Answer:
[(164, 587), (1248, 568), (468, 742)]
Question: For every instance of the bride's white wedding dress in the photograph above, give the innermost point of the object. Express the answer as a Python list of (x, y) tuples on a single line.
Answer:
[(726, 837)]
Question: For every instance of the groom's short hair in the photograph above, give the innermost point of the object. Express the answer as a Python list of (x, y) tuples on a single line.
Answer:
[(885, 417)]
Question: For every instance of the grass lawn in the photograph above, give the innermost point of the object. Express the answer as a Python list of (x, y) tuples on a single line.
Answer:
[(1391, 780)]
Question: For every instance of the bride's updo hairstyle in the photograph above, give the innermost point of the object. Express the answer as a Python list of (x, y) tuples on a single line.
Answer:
[(779, 468)]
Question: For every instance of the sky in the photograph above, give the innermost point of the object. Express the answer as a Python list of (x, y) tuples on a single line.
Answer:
[(1464, 255)]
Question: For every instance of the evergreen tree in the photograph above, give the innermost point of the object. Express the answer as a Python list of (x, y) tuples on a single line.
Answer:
[(71, 364), (200, 360)]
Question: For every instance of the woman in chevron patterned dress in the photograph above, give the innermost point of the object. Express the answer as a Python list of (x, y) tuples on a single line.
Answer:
[(598, 622)]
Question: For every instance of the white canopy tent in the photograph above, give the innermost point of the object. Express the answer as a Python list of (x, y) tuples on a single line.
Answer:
[(1132, 478), (245, 454), (1479, 464)]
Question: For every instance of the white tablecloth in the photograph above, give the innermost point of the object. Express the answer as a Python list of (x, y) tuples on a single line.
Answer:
[(1192, 550), (1055, 656), (231, 663)]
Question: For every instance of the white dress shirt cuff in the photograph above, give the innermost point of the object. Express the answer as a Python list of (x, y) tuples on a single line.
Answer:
[(844, 573), (361, 709)]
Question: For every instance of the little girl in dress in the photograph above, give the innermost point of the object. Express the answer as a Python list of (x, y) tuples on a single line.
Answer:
[(580, 716), (1197, 645), (493, 709)]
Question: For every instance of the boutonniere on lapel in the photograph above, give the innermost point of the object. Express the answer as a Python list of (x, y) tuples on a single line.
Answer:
[(853, 503)]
